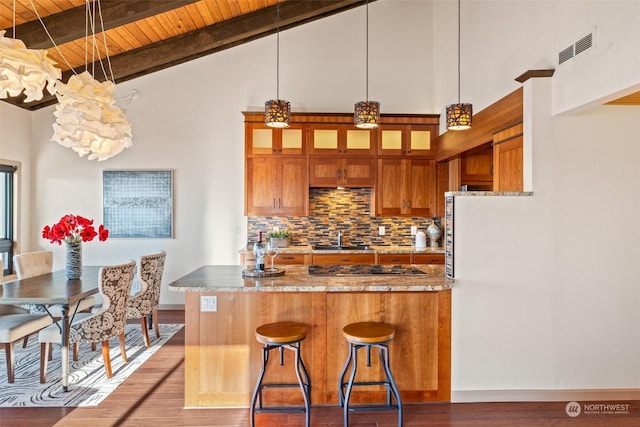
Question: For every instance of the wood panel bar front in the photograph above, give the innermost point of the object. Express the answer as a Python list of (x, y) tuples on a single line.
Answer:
[(223, 357)]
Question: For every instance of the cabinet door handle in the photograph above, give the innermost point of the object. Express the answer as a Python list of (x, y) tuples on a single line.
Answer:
[(345, 174), (274, 203), (339, 174), (279, 203)]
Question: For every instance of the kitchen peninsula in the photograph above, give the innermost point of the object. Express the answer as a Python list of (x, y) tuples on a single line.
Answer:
[(223, 308)]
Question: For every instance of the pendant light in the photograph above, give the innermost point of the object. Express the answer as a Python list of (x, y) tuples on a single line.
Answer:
[(277, 112), (87, 118), (24, 70), (459, 115), (367, 113)]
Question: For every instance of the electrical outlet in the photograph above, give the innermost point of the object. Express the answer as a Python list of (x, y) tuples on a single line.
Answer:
[(414, 230), (381, 230), (208, 303), (276, 229)]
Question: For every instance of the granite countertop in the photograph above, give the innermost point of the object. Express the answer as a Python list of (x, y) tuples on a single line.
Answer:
[(228, 278), (372, 249)]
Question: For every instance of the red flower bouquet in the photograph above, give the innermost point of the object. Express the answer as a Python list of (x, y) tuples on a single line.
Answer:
[(74, 229)]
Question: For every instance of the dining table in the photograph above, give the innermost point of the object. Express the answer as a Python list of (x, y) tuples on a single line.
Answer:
[(54, 288)]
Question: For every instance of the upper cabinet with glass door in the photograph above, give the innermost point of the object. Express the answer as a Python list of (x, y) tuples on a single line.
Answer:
[(407, 140), (341, 139), (263, 140)]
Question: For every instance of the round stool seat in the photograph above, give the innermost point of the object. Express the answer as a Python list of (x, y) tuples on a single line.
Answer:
[(281, 332), (368, 332)]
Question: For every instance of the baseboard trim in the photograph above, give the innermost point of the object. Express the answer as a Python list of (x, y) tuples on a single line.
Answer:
[(469, 396)]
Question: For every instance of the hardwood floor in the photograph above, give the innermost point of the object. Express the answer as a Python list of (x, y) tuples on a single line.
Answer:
[(153, 395)]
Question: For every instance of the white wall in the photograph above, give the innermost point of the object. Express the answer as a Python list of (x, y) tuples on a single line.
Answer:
[(501, 39), (15, 148), (546, 294)]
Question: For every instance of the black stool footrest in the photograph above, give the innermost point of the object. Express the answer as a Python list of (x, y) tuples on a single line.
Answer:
[(385, 383), (278, 385), (380, 407), (280, 409)]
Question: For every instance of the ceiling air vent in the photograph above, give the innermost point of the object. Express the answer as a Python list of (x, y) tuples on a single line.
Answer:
[(584, 44), (565, 55)]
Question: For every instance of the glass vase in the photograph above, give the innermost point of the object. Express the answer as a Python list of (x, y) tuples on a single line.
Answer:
[(73, 260)]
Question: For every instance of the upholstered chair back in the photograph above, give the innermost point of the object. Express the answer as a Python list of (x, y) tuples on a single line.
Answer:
[(31, 264), (115, 287), (148, 299), (9, 309)]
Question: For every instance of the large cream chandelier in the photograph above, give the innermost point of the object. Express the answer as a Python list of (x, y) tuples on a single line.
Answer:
[(25, 70), (87, 119)]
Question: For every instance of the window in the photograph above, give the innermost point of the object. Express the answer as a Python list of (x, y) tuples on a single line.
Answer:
[(7, 200)]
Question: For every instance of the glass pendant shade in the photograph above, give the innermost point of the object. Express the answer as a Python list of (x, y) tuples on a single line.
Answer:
[(367, 115), (459, 116), (277, 113)]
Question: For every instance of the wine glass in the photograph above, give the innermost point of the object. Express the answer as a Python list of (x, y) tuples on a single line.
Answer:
[(272, 251)]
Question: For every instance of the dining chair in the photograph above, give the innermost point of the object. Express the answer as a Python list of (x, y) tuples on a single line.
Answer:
[(30, 264), (115, 287), (6, 308), (145, 303), (14, 327)]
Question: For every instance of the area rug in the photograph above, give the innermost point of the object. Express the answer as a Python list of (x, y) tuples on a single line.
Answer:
[(88, 382)]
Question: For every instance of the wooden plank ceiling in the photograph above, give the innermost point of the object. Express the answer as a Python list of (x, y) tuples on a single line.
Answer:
[(143, 36)]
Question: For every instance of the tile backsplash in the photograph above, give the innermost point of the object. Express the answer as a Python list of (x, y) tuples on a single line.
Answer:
[(347, 210)]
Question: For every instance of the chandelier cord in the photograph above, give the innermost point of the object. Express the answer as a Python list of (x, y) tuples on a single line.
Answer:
[(458, 51), (278, 51), (367, 55), (50, 38), (106, 47), (14, 19)]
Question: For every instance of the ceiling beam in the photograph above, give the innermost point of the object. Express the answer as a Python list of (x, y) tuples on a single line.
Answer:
[(70, 24), (208, 40)]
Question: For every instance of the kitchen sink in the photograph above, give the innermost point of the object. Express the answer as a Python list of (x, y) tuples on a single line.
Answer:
[(341, 248)]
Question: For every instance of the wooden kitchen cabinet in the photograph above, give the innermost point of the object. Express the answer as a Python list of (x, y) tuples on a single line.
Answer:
[(263, 140), (340, 139), (394, 259), (407, 140), (508, 165), (428, 258), (248, 259), (343, 172), (476, 167), (343, 259), (276, 185), (406, 187)]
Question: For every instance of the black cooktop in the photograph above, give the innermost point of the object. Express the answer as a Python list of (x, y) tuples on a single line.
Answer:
[(362, 270)]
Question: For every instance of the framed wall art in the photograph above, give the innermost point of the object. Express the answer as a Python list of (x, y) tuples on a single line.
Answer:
[(138, 203)]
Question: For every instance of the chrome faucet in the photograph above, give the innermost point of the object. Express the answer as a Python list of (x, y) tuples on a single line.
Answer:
[(339, 238)]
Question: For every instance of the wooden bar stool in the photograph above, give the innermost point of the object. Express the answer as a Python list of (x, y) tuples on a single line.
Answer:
[(282, 335), (367, 335)]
